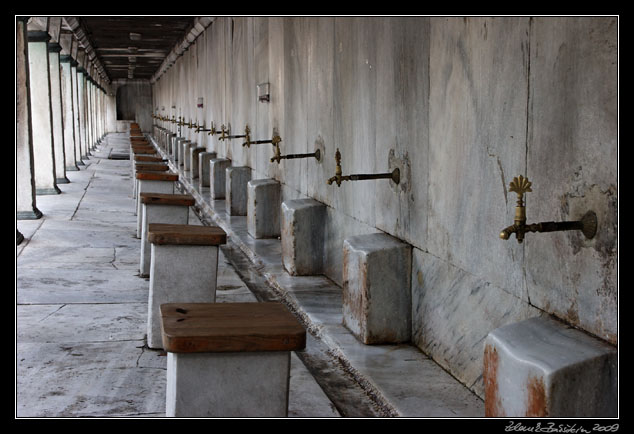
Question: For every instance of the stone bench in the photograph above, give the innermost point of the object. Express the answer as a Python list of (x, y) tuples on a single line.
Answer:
[(236, 180), (194, 157), (229, 359), (152, 182), (187, 161), (160, 208), (175, 147), (541, 367), (302, 236), (203, 168), (377, 300), (263, 208), (183, 268), (217, 177), (183, 153)]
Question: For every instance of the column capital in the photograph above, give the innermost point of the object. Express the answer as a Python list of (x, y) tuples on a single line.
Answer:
[(54, 47), (66, 58), (37, 36)]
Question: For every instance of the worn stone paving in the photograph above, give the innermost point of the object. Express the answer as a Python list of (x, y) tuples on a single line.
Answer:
[(81, 306)]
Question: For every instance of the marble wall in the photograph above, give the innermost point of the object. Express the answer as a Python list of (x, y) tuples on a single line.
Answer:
[(461, 106)]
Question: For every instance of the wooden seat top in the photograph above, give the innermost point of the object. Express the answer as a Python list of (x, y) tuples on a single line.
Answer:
[(152, 167), (167, 199), (146, 150), (148, 175), (149, 159), (191, 235), (230, 327)]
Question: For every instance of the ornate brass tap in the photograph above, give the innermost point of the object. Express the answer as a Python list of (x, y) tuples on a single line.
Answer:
[(247, 131), (394, 175), (223, 132), (202, 128), (213, 130), (274, 140), (181, 122), (279, 157), (521, 185)]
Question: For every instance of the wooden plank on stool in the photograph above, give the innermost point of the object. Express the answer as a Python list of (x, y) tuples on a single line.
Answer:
[(157, 176), (161, 233), (230, 327), (140, 167), (167, 199)]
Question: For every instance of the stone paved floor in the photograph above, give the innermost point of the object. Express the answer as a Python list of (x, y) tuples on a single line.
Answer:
[(81, 315), (81, 306)]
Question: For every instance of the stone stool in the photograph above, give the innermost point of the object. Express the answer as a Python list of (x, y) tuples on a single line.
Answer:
[(229, 359), (302, 236), (161, 208), (183, 268), (377, 288), (236, 179), (541, 367), (152, 182), (203, 168), (145, 160), (145, 167), (263, 208), (135, 151), (217, 177)]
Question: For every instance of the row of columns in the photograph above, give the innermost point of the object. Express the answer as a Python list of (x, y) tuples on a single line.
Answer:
[(60, 117)]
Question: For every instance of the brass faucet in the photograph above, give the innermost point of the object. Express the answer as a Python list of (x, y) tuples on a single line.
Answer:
[(394, 175), (278, 157), (247, 131), (181, 122), (521, 185), (223, 132), (274, 140), (202, 128), (213, 130)]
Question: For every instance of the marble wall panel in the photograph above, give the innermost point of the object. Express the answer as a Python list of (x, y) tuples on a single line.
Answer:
[(572, 163), (453, 310), (477, 143)]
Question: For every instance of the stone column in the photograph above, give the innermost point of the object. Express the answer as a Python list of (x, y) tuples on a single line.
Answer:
[(75, 86), (70, 159), (56, 112), (81, 104), (24, 177), (39, 82)]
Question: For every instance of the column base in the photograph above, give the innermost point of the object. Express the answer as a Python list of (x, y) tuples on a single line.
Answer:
[(47, 191), (28, 215)]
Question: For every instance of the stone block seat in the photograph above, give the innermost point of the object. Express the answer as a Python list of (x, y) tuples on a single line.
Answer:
[(160, 208), (376, 288), (229, 359), (263, 208), (541, 367), (183, 268)]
